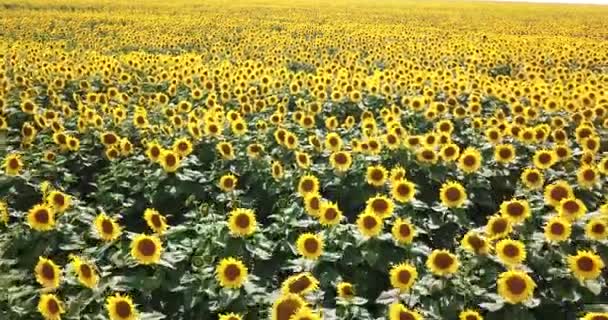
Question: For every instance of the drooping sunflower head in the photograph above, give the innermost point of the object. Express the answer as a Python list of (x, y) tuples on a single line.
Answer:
[(121, 307), (532, 178), (313, 204), (107, 228), (308, 184), (442, 263), (329, 214), (376, 175), (231, 273), (403, 231), (155, 220), (41, 217), (470, 160), (498, 227), (301, 284), (597, 229), (403, 276), (586, 265), (556, 192), (286, 306), (587, 176), (557, 229), (475, 243), (50, 307), (228, 182), (516, 210), (511, 252), (146, 249), (369, 224), (452, 194), (380, 205), (397, 311), (242, 222), (310, 246), (469, 315), (85, 271), (515, 286), (48, 274), (571, 208), (345, 290)]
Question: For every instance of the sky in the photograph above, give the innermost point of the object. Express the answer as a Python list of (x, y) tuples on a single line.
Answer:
[(562, 1)]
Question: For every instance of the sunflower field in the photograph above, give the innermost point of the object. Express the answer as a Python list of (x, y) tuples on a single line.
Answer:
[(299, 160)]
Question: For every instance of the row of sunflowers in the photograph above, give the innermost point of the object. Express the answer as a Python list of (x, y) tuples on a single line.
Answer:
[(274, 160)]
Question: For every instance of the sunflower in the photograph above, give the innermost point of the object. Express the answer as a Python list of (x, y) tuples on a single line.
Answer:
[(587, 176), (333, 142), (41, 217), (156, 221), (532, 178), (585, 265), (470, 160), (563, 152), (277, 170), (120, 307), (286, 306), (449, 152), (226, 150), (595, 316), (341, 161), (228, 182), (426, 156), (231, 273), (397, 173), (12, 164), (452, 194), (515, 286), (302, 159), (329, 214), (146, 249), (308, 184), (50, 307), (301, 284), (183, 147), (238, 127), (571, 209), (48, 274), (230, 316), (544, 159), (469, 315), (170, 160), (255, 150), (397, 311), (516, 210), (442, 263), (380, 205), (212, 129), (154, 151), (511, 252), (345, 290), (369, 224), (107, 228), (376, 175), (85, 272), (109, 139), (313, 203), (58, 200), (403, 276), (557, 229), (403, 231), (597, 229), (504, 153), (242, 222), (474, 243), (556, 192), (310, 245), (498, 227)]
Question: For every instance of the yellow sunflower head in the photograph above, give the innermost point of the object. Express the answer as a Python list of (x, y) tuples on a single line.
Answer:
[(341, 161), (557, 229), (585, 265), (376, 175), (156, 221), (50, 307), (475, 243), (470, 160), (85, 271), (452, 194), (12, 164), (511, 252), (329, 213), (301, 284), (403, 231), (242, 222), (556, 192), (277, 170), (595, 316), (587, 176), (41, 217), (121, 307), (226, 150), (302, 159), (397, 173), (469, 315), (571, 208), (449, 152), (597, 229), (333, 142), (515, 286), (286, 306), (230, 316), (146, 249), (532, 178), (228, 182), (369, 224), (154, 151), (380, 205), (504, 153), (516, 210), (48, 274), (397, 311), (310, 246), (305, 313), (544, 159), (313, 203), (107, 228), (183, 147), (170, 160), (231, 273), (426, 156), (403, 276), (442, 263), (498, 227), (345, 290), (308, 184)]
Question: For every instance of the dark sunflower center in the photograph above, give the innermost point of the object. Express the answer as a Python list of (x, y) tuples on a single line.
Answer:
[(311, 245), (182, 146), (52, 306), (146, 247), (301, 284), (226, 149), (505, 153), (302, 159), (156, 221), (515, 209), (428, 155), (228, 183), (123, 309), (391, 139), (544, 158), (109, 139), (499, 226), (59, 199), (170, 160), (155, 151), (330, 213), (469, 161), (443, 261), (585, 264), (598, 228), (452, 194), (561, 152), (404, 315), (476, 242), (558, 193), (347, 291), (242, 221), (107, 227), (42, 216), (600, 317), (571, 206), (449, 151), (308, 185), (379, 205), (557, 229), (369, 222), (403, 189), (511, 250), (404, 276), (47, 271), (85, 270), (232, 272), (404, 230), (516, 285), (287, 308), (589, 175), (471, 317), (340, 158), (13, 163), (377, 175)]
